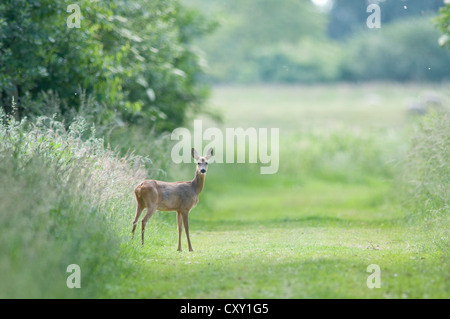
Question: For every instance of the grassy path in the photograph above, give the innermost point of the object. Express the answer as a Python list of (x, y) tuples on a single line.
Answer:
[(309, 231), (244, 254)]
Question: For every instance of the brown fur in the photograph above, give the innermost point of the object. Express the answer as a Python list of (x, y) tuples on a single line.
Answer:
[(180, 197)]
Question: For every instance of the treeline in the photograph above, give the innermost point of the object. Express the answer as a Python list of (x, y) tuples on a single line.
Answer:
[(294, 41), (141, 62), (129, 61), (349, 16)]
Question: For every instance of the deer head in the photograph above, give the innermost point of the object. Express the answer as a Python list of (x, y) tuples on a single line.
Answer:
[(202, 161)]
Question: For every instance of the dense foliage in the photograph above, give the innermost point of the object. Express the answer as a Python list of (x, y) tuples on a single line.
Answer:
[(133, 59), (443, 22)]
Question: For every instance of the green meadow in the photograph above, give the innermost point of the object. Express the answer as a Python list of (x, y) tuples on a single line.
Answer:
[(349, 120), (354, 188), (335, 206)]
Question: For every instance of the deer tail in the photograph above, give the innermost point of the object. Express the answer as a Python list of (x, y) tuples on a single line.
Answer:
[(137, 191)]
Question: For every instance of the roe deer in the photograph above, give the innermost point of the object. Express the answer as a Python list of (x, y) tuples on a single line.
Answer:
[(172, 196)]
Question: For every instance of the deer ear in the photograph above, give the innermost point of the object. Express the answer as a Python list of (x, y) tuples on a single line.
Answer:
[(194, 154), (209, 154)]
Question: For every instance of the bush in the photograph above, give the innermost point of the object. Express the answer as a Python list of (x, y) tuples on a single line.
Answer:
[(133, 58)]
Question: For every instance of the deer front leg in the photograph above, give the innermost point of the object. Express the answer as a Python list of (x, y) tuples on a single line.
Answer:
[(180, 229), (186, 228)]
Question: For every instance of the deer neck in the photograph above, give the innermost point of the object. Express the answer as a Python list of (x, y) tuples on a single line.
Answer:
[(198, 182)]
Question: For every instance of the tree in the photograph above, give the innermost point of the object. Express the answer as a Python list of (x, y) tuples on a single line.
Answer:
[(40, 53), (405, 50), (443, 22), (166, 77), (348, 16), (132, 57), (249, 29)]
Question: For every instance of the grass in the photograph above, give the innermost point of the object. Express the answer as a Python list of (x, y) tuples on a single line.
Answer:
[(314, 262), (336, 205), (311, 246), (311, 230), (321, 249), (295, 108), (61, 199)]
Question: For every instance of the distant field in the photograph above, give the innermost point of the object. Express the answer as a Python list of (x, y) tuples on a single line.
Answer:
[(312, 229), (294, 108)]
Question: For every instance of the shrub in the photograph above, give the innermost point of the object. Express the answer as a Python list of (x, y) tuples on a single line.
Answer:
[(134, 58)]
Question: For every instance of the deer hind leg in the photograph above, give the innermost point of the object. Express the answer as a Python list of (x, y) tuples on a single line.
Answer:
[(180, 229), (148, 215), (140, 207), (150, 199), (186, 228)]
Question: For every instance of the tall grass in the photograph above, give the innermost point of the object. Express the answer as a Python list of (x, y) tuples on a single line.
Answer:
[(64, 199), (427, 179), (428, 167)]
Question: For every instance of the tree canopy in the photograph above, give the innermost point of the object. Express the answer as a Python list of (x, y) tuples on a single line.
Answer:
[(134, 59)]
